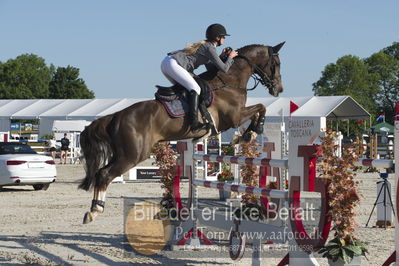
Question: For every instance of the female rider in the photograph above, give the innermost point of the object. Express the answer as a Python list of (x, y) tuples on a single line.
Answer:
[(178, 66)]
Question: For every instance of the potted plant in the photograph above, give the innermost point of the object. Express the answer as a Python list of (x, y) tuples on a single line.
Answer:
[(339, 252), (166, 159), (344, 248), (225, 176), (251, 208)]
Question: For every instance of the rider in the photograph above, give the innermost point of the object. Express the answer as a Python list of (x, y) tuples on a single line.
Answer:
[(178, 66)]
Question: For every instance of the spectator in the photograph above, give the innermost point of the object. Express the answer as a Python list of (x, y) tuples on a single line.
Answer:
[(64, 148), (51, 143)]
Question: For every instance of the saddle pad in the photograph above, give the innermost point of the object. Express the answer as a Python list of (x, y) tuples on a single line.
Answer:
[(178, 106)]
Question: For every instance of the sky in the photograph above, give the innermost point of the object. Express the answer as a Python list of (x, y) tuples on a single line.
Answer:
[(118, 45)]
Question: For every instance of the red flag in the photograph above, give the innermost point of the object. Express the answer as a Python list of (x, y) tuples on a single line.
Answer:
[(360, 121), (293, 107), (396, 111)]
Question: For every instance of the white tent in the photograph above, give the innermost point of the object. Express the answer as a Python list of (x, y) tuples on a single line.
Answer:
[(48, 110), (329, 107), (69, 125), (85, 109)]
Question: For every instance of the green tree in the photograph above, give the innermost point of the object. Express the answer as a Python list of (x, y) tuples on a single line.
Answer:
[(25, 77), (66, 84), (386, 69), (392, 50), (349, 76)]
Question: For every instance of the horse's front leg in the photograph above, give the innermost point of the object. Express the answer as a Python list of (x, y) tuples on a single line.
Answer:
[(255, 113)]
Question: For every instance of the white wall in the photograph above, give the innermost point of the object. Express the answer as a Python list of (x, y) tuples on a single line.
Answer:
[(45, 126), (5, 124)]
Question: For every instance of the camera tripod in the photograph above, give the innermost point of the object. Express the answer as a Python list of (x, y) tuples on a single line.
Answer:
[(385, 188)]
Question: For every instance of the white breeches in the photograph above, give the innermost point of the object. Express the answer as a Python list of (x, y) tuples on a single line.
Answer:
[(175, 73)]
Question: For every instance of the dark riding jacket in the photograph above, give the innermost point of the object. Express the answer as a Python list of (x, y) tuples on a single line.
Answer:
[(205, 55)]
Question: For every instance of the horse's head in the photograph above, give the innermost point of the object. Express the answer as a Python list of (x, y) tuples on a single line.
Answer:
[(266, 64)]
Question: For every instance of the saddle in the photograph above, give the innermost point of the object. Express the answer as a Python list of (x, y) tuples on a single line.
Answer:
[(175, 98)]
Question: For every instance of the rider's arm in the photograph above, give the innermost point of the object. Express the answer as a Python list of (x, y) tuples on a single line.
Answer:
[(215, 60)]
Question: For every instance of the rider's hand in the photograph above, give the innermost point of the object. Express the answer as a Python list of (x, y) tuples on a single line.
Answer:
[(227, 50), (233, 53)]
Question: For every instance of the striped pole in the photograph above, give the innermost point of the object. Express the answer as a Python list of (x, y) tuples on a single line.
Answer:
[(377, 163), (280, 163), (264, 192)]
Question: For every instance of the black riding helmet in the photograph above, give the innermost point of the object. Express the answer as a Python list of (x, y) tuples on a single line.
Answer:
[(214, 31)]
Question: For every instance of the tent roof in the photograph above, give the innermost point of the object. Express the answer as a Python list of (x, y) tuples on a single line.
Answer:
[(86, 109), (274, 105), (69, 125), (383, 127), (332, 107)]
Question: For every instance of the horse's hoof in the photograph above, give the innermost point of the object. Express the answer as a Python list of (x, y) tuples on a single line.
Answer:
[(235, 141), (248, 137), (88, 218), (259, 130), (253, 136)]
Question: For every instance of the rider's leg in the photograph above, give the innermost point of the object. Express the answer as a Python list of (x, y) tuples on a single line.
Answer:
[(173, 71), (193, 103), (165, 65)]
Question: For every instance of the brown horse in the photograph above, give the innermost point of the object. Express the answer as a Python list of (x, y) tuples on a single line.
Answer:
[(115, 143)]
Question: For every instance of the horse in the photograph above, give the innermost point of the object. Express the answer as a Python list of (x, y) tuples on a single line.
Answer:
[(115, 143)]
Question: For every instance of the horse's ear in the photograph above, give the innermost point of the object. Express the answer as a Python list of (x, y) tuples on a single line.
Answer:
[(278, 47)]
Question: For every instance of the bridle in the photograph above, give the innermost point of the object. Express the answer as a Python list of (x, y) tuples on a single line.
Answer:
[(258, 75)]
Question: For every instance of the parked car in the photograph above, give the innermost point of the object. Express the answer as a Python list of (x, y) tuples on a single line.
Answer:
[(21, 165)]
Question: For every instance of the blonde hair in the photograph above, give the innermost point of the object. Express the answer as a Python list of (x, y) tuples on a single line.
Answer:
[(193, 47)]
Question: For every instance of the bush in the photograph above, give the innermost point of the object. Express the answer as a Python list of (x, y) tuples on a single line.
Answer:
[(344, 197)]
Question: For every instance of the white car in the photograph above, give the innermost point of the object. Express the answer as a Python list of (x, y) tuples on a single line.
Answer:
[(21, 165)]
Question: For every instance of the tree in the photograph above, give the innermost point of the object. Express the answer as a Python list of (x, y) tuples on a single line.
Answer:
[(25, 77), (392, 50), (386, 69), (349, 76), (66, 84)]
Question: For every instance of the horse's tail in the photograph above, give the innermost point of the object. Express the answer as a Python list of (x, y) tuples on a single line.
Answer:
[(95, 142)]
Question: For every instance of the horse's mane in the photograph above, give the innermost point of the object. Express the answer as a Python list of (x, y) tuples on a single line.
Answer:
[(245, 49)]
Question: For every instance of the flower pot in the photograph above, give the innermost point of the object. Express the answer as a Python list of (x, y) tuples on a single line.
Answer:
[(223, 195), (355, 262)]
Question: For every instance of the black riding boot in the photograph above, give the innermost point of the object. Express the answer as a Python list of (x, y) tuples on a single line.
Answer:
[(193, 116)]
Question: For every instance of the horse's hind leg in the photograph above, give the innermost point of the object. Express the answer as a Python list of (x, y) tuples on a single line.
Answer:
[(97, 206), (107, 174), (127, 158)]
